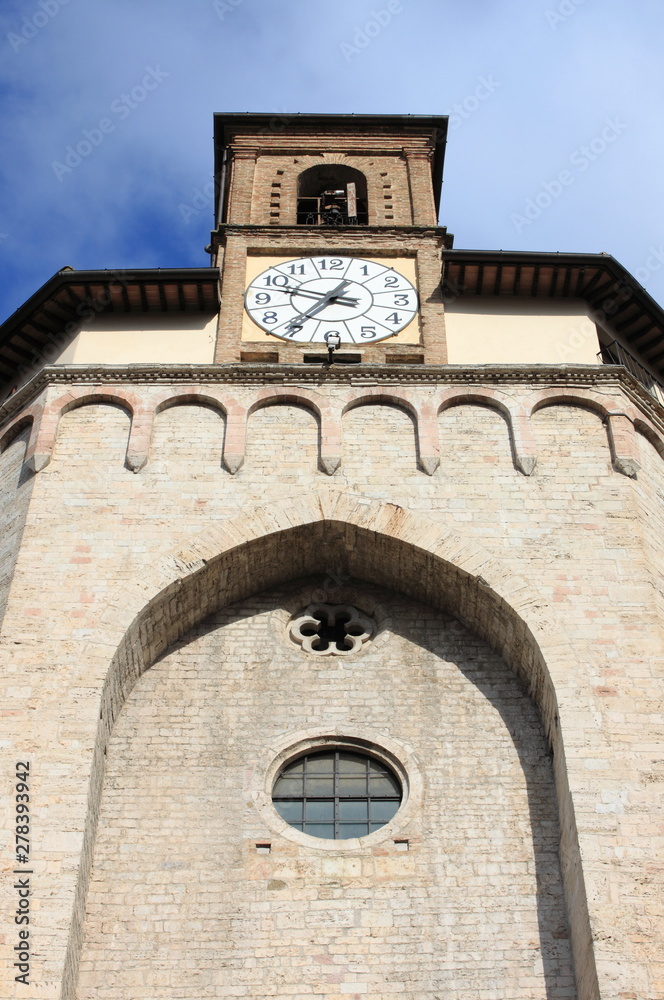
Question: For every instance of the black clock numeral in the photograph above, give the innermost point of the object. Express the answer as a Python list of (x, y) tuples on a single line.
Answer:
[(263, 298), (401, 300), (296, 268), (278, 280), (368, 332), (365, 269), (271, 317), (391, 281), (336, 264), (394, 318), (293, 328)]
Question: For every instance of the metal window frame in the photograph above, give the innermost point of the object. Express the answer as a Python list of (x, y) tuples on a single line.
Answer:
[(337, 797)]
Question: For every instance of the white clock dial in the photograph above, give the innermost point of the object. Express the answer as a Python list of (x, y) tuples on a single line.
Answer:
[(306, 299)]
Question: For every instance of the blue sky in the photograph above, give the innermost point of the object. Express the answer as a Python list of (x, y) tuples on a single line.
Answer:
[(556, 138)]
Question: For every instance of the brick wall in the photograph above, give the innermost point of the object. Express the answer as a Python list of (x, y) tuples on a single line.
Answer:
[(265, 167), (275, 189), (425, 248)]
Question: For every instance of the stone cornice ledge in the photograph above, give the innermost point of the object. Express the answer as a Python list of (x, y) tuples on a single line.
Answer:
[(258, 373)]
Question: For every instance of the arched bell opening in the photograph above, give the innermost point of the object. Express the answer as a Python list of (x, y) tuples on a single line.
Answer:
[(332, 195)]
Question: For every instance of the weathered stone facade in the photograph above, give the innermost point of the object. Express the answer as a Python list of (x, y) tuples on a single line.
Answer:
[(191, 742), (502, 526)]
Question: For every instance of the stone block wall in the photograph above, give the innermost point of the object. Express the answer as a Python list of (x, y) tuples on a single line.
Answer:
[(15, 490), (571, 552), (183, 905)]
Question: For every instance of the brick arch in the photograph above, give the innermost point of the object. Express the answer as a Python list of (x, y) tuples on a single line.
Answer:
[(264, 398), (517, 420), (40, 449), (311, 181), (426, 432), (584, 400), (118, 397), (26, 419), (191, 397), (621, 438), (373, 168), (376, 397), (475, 398), (285, 397), (647, 431), (319, 427), (378, 542), (143, 423)]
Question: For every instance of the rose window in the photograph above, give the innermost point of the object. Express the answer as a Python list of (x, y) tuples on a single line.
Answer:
[(331, 629)]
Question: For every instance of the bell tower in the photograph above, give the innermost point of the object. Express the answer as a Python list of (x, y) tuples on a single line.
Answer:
[(325, 197)]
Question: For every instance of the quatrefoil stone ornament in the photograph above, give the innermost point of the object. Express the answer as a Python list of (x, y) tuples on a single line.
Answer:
[(331, 629)]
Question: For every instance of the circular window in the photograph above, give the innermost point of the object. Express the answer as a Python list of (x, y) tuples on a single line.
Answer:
[(336, 794)]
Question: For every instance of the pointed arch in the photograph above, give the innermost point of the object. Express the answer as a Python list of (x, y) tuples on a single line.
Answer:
[(378, 542)]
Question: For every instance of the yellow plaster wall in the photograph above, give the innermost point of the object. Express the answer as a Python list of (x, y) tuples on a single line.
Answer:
[(490, 330), (182, 339)]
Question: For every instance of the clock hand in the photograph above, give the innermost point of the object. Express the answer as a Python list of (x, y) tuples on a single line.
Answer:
[(335, 291), (329, 296), (311, 293), (311, 312)]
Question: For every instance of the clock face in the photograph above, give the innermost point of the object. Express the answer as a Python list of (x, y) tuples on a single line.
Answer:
[(307, 299)]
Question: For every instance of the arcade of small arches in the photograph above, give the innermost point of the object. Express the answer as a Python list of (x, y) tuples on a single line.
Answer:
[(623, 424)]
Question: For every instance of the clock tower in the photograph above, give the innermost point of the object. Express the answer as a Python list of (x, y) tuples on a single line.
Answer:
[(327, 224)]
